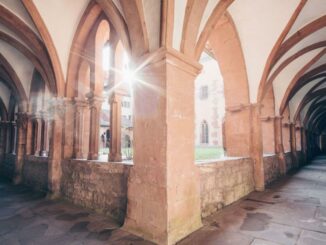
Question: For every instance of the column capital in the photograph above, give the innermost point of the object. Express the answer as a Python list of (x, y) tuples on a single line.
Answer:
[(172, 57), (94, 99), (79, 102), (242, 106)]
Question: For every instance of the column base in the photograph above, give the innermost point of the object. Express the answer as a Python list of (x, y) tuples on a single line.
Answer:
[(282, 163), (92, 156), (79, 155), (115, 158), (53, 196), (17, 180)]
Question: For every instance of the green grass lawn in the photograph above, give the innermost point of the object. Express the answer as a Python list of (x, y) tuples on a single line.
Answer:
[(201, 153), (206, 153)]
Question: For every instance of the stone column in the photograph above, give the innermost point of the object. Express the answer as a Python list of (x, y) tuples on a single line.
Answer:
[(279, 149), (69, 122), (13, 134), (3, 137), (21, 143), (56, 110), (80, 106), (256, 147), (29, 135), (164, 183), (237, 140), (293, 145), (45, 135), (304, 144), (115, 128), (37, 135), (95, 104)]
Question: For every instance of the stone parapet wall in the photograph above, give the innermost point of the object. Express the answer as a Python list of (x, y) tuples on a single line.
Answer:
[(224, 182), (288, 161), (35, 172), (98, 186), (271, 168), (7, 167)]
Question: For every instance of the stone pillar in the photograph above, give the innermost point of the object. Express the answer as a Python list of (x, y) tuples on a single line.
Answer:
[(237, 140), (13, 139), (56, 110), (279, 149), (69, 122), (304, 144), (115, 128), (293, 145), (95, 104), (37, 135), (45, 135), (22, 119), (29, 136), (164, 183), (256, 147), (80, 106), (3, 137)]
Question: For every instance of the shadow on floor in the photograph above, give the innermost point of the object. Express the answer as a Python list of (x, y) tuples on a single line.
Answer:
[(26, 217)]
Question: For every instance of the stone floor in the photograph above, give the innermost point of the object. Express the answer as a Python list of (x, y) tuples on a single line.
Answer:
[(28, 218), (292, 211)]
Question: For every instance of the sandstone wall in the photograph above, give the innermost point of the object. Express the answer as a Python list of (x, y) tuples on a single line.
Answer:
[(99, 186), (288, 160), (7, 167), (224, 182), (271, 168), (35, 172)]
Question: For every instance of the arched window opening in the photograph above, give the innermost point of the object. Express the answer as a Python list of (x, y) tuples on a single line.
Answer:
[(204, 133), (209, 110), (116, 121)]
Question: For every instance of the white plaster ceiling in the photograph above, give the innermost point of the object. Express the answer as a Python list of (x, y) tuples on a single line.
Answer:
[(320, 62), (315, 37), (13, 35), (153, 20), (312, 10), (22, 66), (323, 85), (16, 6), (207, 13), (283, 80), (61, 17), (305, 109), (297, 98), (259, 28), (5, 94), (179, 14)]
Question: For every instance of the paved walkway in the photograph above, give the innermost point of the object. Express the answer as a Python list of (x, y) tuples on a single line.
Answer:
[(292, 211), (27, 218)]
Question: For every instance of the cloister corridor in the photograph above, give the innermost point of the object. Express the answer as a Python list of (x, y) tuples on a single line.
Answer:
[(291, 211)]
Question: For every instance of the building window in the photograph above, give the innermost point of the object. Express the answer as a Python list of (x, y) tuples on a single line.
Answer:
[(125, 104), (204, 133), (203, 94)]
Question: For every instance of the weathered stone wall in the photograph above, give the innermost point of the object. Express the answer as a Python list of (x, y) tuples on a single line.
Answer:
[(288, 160), (300, 158), (271, 169), (7, 167), (99, 186), (224, 182), (35, 172)]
